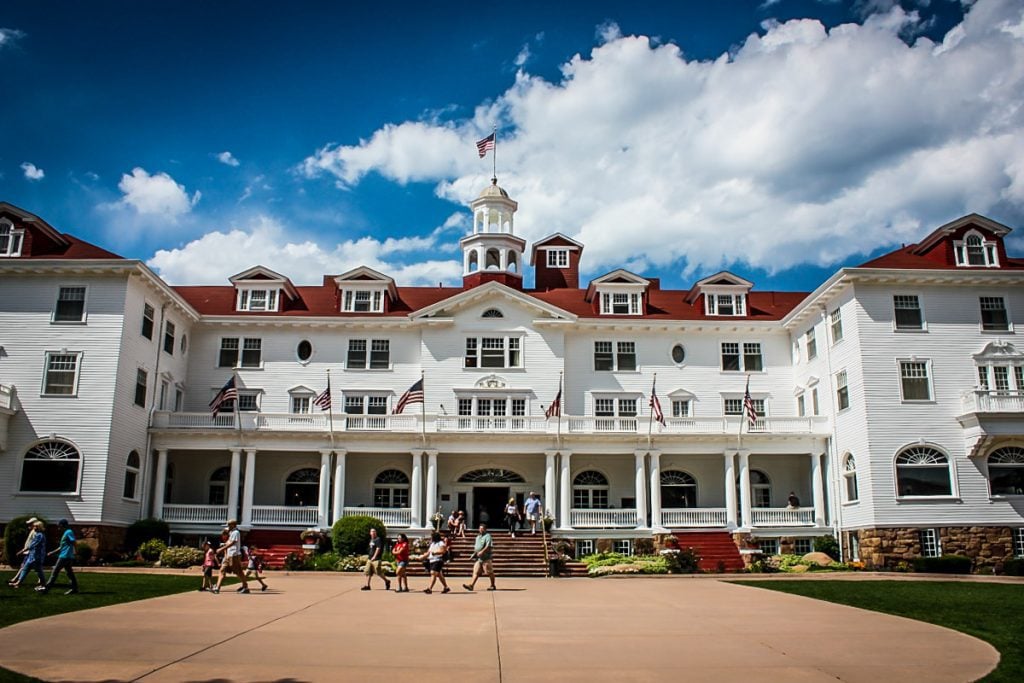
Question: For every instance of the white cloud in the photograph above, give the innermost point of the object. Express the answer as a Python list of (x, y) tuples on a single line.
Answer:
[(523, 57), (217, 255), (9, 36), (155, 195), (32, 172), (227, 158), (802, 145)]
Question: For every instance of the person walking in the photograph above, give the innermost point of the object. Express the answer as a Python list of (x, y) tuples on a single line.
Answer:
[(209, 564), (254, 564), (23, 554), (34, 557), (374, 561), (483, 553), (401, 552), (434, 558), (533, 507), (231, 549), (512, 516), (65, 558)]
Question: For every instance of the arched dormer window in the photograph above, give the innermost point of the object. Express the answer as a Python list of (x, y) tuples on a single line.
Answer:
[(51, 467), (590, 491), (922, 471), (10, 239), (850, 478), (391, 489), (975, 251), (1006, 471), (492, 313)]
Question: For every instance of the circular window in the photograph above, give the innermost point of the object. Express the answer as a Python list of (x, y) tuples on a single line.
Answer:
[(184, 343), (304, 350), (678, 354)]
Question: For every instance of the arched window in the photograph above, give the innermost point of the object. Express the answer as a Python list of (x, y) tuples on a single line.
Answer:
[(760, 489), (131, 475), (1006, 471), (391, 489), (922, 471), (492, 476), (850, 477), (678, 490), (219, 486), (975, 250), (302, 487), (492, 260), (51, 467), (590, 491), (492, 313), (10, 239), (474, 264), (512, 265)]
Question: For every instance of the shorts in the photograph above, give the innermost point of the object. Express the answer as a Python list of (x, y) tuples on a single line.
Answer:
[(403, 564), (436, 565), (533, 517), (373, 567), (208, 572), (486, 566), (232, 564)]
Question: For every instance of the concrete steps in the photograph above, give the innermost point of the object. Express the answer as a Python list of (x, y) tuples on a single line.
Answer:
[(717, 550)]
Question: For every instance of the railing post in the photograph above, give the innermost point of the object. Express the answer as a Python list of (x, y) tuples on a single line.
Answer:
[(247, 490)]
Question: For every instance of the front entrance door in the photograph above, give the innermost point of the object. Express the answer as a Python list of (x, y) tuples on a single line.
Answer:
[(492, 500)]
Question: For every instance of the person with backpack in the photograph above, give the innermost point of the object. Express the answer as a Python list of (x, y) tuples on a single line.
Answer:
[(253, 565)]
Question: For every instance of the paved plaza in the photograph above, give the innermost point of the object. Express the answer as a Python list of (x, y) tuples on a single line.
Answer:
[(321, 627)]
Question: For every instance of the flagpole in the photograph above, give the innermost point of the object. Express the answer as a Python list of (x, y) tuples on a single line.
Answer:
[(330, 408), (743, 416), (238, 418), (494, 157), (558, 437), (423, 409), (650, 421)]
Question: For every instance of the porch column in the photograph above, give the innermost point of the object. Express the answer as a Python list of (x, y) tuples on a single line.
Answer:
[(161, 483), (416, 490), (818, 489), (655, 475), (324, 498), (640, 486), (339, 483), (236, 471), (247, 489), (565, 495), (431, 483), (549, 481), (745, 488), (731, 518)]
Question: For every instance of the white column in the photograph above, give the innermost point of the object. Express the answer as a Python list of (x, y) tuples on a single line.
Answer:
[(431, 483), (248, 488), (655, 476), (416, 490), (818, 489), (161, 483), (640, 486), (565, 495), (745, 487), (339, 484), (324, 494), (236, 472), (731, 518), (549, 481)]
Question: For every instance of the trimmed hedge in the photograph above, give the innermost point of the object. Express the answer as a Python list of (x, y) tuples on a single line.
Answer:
[(945, 564), (1014, 567), (15, 534), (152, 549), (351, 535), (828, 545), (144, 530), (181, 557)]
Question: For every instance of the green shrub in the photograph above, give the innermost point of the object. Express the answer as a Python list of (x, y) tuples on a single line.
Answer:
[(144, 530), (181, 556), (152, 549), (643, 546), (325, 562), (351, 563), (1014, 567), (682, 561), (351, 535), (294, 562), (945, 564), (828, 545), (15, 534), (83, 552)]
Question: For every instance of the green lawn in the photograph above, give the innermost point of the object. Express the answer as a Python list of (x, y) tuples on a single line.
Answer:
[(993, 612)]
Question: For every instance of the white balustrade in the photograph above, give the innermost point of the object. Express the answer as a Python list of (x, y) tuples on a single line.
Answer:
[(195, 514), (491, 424), (993, 402), (285, 515), (782, 516), (590, 424), (603, 519), (311, 422), (392, 517), (693, 517)]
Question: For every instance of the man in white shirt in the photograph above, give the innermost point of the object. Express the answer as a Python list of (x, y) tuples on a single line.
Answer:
[(232, 551)]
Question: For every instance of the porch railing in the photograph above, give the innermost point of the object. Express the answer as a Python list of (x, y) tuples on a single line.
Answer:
[(392, 517), (603, 519), (285, 515), (195, 514), (782, 516), (984, 401), (492, 424), (591, 424), (693, 517)]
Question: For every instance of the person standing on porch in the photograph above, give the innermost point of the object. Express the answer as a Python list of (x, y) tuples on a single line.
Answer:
[(232, 551), (374, 561), (792, 502), (532, 507), (483, 552), (512, 516)]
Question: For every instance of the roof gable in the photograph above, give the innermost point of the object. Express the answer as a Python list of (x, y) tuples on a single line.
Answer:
[(489, 292)]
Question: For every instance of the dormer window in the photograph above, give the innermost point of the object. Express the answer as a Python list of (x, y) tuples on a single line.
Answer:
[(558, 258), (10, 239), (257, 299), (974, 251), (620, 303), (363, 301), (726, 304), (261, 290)]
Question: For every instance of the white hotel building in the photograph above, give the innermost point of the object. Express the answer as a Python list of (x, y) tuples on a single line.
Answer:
[(890, 400)]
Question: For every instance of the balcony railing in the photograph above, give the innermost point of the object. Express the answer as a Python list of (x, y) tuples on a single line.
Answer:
[(285, 515), (603, 519), (693, 517), (782, 517), (195, 514), (982, 401), (392, 517)]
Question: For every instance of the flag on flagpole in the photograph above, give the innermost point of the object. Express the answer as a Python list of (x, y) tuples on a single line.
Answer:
[(482, 146), (555, 409), (413, 395), (656, 405), (227, 393), (323, 400), (748, 407)]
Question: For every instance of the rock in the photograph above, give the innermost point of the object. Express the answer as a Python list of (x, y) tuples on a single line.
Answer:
[(820, 559), (799, 568)]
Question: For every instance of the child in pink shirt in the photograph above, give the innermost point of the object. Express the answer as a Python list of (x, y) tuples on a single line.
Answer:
[(209, 562)]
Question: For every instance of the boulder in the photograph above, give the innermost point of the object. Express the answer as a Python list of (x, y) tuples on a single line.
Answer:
[(820, 559)]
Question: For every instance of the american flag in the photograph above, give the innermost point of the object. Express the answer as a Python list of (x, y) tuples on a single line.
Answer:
[(323, 400), (656, 405), (227, 393), (555, 409), (748, 407), (483, 145), (413, 395)]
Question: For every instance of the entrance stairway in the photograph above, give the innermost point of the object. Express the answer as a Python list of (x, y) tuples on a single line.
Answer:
[(519, 556), (275, 545), (716, 549)]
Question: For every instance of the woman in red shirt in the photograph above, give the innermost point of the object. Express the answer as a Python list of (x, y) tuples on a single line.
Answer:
[(401, 552)]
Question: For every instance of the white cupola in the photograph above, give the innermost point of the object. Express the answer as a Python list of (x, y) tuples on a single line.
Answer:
[(493, 252)]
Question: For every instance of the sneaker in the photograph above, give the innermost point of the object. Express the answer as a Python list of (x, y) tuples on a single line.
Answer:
[(240, 589), (365, 588), (263, 589), (41, 589), (215, 591), (447, 590), (467, 586), (73, 591), (387, 585), (491, 588), (244, 591)]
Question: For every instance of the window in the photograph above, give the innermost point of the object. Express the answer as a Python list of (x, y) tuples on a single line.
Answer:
[(749, 361), (850, 478), (302, 488), (304, 351), (300, 404), (1006, 471), (10, 239), (558, 258), (812, 345), (590, 491), (391, 489), (678, 354), (611, 408), (141, 378), (760, 489), (930, 544), (251, 356), (51, 467), (622, 546), (678, 490), (379, 357), (835, 320), (169, 337), (131, 475), (681, 407), (614, 356), (814, 402), (1018, 542), (493, 352), (61, 375), (148, 313), (492, 313), (490, 407), (620, 303), (975, 251), (366, 404), (914, 380), (252, 353), (584, 547), (802, 546), (257, 299), (70, 305), (768, 546), (228, 352), (363, 301), (907, 312), (801, 407), (179, 400), (842, 391), (993, 314), (734, 406), (248, 401), (725, 304), (217, 490), (922, 471)]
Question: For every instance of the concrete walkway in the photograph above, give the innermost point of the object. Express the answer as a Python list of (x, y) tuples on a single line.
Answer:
[(317, 627)]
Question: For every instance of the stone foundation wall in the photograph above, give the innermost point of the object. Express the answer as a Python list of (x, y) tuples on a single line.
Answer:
[(988, 546)]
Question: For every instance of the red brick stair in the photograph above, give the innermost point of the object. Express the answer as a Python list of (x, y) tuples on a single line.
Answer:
[(519, 556), (716, 549)]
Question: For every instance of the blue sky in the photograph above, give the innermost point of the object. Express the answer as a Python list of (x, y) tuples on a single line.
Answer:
[(779, 140)]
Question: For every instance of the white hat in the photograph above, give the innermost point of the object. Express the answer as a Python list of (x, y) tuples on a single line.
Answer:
[(31, 521)]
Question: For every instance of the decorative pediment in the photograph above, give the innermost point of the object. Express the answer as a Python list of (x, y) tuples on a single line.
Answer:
[(363, 290), (486, 294), (258, 288), (492, 382), (722, 282), (998, 350), (301, 389), (682, 395)]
